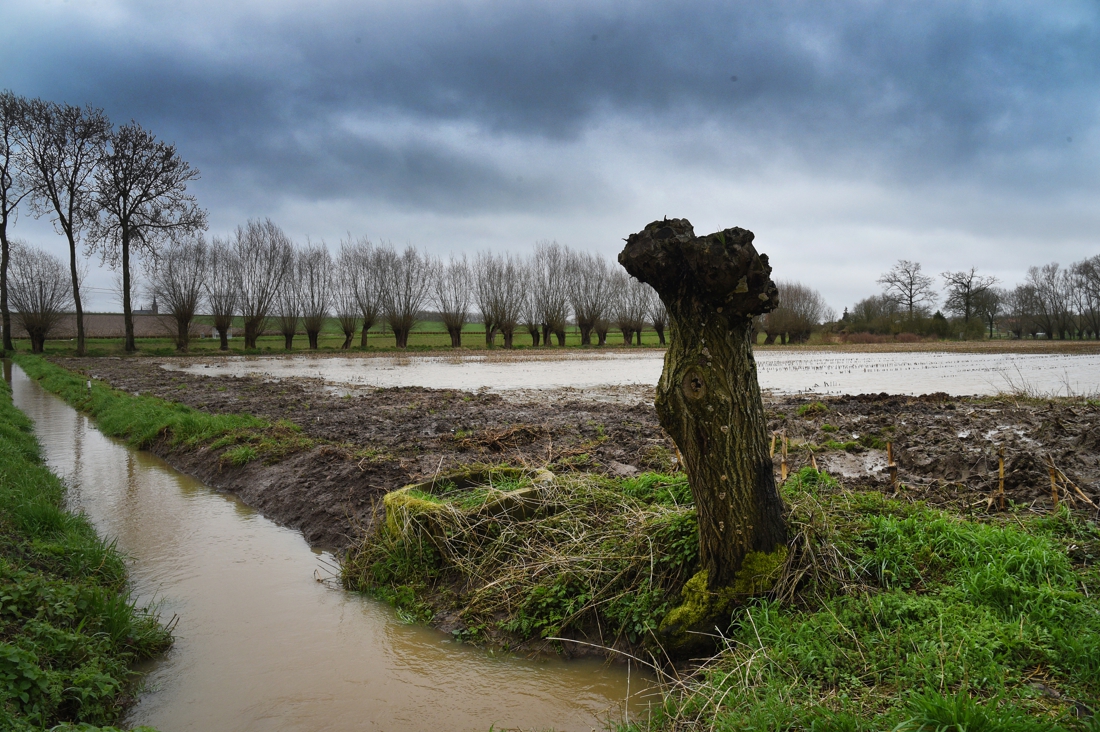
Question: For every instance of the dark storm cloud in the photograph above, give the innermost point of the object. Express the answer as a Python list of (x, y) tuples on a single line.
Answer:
[(902, 91)]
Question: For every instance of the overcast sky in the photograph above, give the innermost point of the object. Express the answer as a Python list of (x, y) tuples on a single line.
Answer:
[(845, 135)]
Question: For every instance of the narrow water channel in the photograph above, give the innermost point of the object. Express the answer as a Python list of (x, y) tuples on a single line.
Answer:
[(261, 644)]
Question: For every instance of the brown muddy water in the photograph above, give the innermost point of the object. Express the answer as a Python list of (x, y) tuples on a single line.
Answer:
[(266, 640), (784, 372)]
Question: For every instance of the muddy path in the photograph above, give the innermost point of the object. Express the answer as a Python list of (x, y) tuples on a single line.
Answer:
[(371, 441)]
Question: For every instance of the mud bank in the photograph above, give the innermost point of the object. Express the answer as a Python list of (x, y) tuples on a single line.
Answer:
[(375, 440)]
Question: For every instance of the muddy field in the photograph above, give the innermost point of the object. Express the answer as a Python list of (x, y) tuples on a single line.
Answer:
[(374, 440)]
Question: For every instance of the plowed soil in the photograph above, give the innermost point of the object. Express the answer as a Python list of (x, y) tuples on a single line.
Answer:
[(374, 440)]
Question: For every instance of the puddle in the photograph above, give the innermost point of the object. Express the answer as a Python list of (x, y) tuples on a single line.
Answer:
[(787, 372)]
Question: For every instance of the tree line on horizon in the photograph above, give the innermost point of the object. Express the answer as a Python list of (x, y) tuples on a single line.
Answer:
[(1052, 302)]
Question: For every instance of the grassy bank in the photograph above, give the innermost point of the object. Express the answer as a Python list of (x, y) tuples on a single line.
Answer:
[(142, 420), (888, 614), (68, 630)]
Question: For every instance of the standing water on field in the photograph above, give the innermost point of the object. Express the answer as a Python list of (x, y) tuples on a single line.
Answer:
[(264, 641), (786, 372)]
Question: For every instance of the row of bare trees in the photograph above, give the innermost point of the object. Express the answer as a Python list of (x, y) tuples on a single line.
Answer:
[(116, 192), (1052, 302)]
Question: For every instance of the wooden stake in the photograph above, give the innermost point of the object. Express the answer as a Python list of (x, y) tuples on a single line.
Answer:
[(783, 460), (771, 452), (1001, 477), (891, 466), (813, 461), (1053, 481)]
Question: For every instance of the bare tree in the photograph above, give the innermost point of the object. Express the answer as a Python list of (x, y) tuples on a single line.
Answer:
[(905, 285), (988, 304), (550, 289), (485, 280), (452, 295), (367, 282), (588, 294), (344, 298), (530, 317), (12, 191), (406, 286), (1019, 308), (964, 291), (500, 290), (140, 201), (40, 295), (1086, 294), (800, 310), (265, 255), (288, 303), (629, 305), (222, 287), (176, 282), (512, 286), (316, 275), (62, 145), (1050, 285), (658, 315)]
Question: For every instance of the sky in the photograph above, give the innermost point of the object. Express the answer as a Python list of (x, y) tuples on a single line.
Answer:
[(845, 135)]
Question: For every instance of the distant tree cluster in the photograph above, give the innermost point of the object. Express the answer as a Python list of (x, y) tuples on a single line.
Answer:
[(114, 191), (259, 275), (1051, 302)]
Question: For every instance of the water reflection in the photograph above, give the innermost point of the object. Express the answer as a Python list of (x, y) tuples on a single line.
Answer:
[(786, 372), (260, 643)]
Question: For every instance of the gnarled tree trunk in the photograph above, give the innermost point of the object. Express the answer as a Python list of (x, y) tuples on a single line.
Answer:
[(708, 398)]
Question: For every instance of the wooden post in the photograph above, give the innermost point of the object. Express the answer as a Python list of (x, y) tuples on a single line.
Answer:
[(891, 466), (771, 452), (783, 460), (1053, 480), (1001, 478)]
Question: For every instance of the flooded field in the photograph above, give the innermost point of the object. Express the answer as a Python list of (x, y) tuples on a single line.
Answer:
[(786, 372), (264, 641)]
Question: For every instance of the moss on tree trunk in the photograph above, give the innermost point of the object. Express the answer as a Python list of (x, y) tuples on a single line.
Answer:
[(708, 398)]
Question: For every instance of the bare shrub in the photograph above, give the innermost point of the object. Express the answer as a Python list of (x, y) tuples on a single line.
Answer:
[(452, 284), (315, 272), (344, 300), (176, 283), (39, 291), (288, 303), (550, 290), (265, 256), (222, 287), (406, 285), (589, 280)]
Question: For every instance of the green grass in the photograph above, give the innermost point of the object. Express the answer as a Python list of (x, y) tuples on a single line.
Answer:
[(889, 614), (144, 420), (69, 632), (896, 616), (427, 335)]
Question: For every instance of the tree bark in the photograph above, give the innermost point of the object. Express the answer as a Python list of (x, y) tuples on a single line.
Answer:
[(5, 257), (77, 307), (708, 397), (127, 306)]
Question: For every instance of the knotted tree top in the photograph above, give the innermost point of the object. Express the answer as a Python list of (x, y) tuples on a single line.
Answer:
[(722, 270)]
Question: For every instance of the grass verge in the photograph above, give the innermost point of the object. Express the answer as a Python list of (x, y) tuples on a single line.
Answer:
[(143, 420), (888, 615), (69, 632)]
